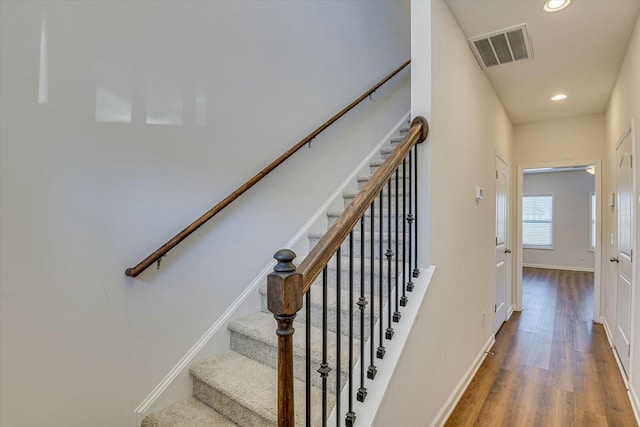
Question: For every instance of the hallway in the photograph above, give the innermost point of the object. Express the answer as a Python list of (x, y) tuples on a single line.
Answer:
[(552, 366)]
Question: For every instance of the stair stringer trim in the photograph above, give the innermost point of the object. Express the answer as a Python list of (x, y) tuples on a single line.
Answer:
[(179, 375), (366, 411), (446, 410)]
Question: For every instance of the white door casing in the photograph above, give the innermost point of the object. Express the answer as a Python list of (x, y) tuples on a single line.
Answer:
[(501, 248), (624, 257)]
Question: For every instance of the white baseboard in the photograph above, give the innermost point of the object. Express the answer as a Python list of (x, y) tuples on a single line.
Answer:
[(446, 410), (635, 403), (181, 369), (633, 397), (510, 312), (559, 267), (607, 331)]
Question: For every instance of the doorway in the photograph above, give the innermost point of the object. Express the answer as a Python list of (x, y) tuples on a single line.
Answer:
[(539, 227)]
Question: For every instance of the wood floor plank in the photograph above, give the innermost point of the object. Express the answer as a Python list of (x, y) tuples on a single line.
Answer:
[(558, 406), (551, 365), (499, 405), (528, 402), (561, 366)]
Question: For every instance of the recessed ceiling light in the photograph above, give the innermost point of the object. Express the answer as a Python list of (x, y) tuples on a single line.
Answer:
[(559, 97), (555, 5)]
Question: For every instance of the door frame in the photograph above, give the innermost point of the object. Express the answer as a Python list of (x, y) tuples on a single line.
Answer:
[(598, 249), (508, 242)]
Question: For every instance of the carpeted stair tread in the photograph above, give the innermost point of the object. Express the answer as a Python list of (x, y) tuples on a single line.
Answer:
[(316, 309), (352, 194), (313, 236), (334, 213), (262, 327), (316, 300), (314, 239), (245, 391), (188, 413), (363, 179), (254, 336), (378, 162)]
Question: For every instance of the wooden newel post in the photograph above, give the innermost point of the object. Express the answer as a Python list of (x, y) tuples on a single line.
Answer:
[(284, 300)]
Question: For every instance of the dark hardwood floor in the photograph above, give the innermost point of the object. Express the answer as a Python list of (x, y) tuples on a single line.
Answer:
[(552, 365)]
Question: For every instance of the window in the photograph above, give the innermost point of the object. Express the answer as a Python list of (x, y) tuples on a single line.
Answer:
[(537, 221), (592, 221)]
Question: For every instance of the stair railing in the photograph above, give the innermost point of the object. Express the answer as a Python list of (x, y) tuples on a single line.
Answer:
[(289, 289), (157, 255)]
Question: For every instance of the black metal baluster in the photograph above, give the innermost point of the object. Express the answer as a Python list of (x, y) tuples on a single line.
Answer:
[(410, 221), (372, 370), (404, 299), (350, 418), (416, 270), (324, 367), (338, 330), (381, 349), (389, 254), (307, 376), (362, 303), (396, 314)]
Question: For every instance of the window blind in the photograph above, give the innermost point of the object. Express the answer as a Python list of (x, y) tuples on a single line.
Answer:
[(537, 220)]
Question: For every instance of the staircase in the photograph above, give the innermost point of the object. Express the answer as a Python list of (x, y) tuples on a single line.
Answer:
[(239, 387)]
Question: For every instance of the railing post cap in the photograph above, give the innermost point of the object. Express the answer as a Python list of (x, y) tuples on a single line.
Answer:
[(285, 259), (425, 127)]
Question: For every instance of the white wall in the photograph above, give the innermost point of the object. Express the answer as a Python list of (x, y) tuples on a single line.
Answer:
[(571, 219), (91, 182), (468, 126), (623, 109), (576, 138)]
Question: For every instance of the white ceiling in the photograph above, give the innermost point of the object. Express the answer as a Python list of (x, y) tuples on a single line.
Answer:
[(577, 51)]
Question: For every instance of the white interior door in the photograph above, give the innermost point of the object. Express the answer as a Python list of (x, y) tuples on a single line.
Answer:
[(502, 251), (624, 258)]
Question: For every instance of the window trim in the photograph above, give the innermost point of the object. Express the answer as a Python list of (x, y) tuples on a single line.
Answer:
[(549, 247)]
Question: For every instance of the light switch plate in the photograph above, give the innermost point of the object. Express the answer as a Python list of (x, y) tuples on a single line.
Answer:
[(478, 193)]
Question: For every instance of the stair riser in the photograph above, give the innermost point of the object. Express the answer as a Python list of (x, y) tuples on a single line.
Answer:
[(373, 167), (363, 181), (332, 217), (227, 406), (316, 317), (386, 192), (386, 152), (332, 280), (348, 199), (268, 355)]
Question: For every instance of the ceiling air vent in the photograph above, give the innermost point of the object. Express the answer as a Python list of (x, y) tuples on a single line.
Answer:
[(502, 47)]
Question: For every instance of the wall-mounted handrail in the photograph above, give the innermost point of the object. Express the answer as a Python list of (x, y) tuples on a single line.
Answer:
[(162, 250)]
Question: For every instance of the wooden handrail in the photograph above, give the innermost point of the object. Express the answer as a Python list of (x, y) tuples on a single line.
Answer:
[(287, 285), (322, 252), (162, 250)]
